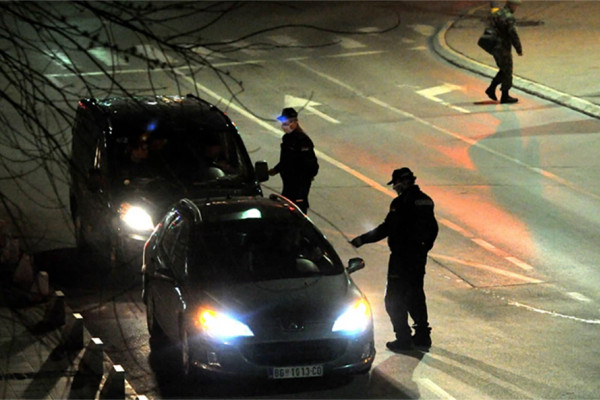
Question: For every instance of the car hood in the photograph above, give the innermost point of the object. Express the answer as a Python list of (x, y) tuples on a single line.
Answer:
[(310, 300)]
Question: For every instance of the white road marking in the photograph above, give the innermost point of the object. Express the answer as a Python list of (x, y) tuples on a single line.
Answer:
[(554, 314), (308, 105), (348, 43), (55, 81), (354, 54), (154, 53), (519, 263), (204, 52), (432, 94), (107, 57), (435, 389), (369, 29), (425, 30), (59, 58), (284, 40), (489, 268), (488, 246), (222, 64), (233, 63), (251, 49), (579, 297), (456, 228)]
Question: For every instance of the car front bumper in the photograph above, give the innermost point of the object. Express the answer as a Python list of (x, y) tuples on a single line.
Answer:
[(330, 356)]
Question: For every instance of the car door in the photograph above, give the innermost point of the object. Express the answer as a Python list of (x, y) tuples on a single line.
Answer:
[(170, 274)]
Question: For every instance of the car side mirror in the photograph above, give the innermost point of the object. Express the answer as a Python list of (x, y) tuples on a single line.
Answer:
[(261, 169), (354, 264)]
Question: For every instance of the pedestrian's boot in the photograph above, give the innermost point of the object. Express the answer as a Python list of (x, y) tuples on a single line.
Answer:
[(491, 92), (422, 338), (506, 99)]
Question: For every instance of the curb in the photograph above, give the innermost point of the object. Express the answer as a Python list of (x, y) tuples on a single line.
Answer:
[(441, 47)]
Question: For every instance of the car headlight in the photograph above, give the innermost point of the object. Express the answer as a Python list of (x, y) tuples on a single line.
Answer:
[(355, 318), (136, 217), (220, 325)]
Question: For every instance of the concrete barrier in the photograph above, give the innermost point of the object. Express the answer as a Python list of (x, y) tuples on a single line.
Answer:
[(93, 358), (55, 314), (114, 385), (72, 333)]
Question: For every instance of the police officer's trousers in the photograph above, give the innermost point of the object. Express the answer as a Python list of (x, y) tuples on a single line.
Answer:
[(297, 191), (405, 294)]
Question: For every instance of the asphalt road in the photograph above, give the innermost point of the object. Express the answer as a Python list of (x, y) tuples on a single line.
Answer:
[(512, 280)]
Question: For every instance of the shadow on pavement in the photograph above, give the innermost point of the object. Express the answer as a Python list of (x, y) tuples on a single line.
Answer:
[(86, 277)]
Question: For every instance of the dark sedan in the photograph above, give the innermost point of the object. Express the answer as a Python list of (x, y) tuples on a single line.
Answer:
[(250, 287)]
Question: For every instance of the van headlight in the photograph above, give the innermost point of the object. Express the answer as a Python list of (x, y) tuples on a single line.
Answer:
[(136, 218), (219, 325), (355, 319)]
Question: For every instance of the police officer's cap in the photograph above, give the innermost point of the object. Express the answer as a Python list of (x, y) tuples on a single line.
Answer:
[(401, 174), (287, 113)]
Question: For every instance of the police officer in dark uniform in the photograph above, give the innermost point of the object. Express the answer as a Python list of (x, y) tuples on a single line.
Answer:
[(298, 163), (411, 229), (503, 21)]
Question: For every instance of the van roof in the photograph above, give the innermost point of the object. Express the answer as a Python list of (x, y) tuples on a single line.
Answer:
[(189, 110)]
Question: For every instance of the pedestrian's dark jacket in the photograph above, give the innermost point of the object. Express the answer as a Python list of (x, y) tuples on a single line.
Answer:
[(410, 225), (503, 21), (297, 161)]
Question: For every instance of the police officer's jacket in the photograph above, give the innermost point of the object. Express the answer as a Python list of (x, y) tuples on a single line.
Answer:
[(410, 225), (297, 160)]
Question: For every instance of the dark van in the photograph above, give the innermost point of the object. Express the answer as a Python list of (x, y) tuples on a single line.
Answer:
[(133, 157)]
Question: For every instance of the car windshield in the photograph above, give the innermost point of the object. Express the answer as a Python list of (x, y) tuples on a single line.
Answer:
[(250, 250), (180, 151)]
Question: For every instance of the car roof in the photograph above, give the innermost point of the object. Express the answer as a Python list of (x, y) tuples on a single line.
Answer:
[(237, 208)]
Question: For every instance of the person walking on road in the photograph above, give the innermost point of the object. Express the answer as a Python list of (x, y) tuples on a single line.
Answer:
[(298, 163), (503, 21), (411, 229)]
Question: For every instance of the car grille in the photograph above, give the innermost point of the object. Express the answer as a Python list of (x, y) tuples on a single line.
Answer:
[(295, 353)]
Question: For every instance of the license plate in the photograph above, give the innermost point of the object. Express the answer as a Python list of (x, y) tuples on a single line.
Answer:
[(304, 371)]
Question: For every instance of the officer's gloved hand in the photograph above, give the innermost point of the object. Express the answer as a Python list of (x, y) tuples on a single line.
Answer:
[(356, 242)]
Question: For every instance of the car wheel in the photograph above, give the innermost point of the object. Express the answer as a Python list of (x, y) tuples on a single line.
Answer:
[(157, 335)]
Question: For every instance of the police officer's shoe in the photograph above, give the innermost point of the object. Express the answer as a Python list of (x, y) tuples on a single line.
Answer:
[(399, 346), (506, 99), (491, 93), (422, 340)]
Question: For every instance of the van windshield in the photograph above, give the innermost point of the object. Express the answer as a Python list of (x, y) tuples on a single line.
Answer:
[(173, 151)]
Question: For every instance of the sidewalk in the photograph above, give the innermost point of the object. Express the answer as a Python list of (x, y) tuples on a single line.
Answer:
[(48, 354), (561, 50)]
